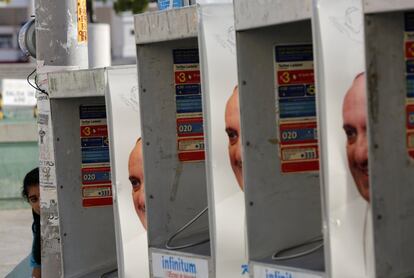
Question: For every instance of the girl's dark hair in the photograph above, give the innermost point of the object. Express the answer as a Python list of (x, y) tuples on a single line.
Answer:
[(31, 178), (36, 247)]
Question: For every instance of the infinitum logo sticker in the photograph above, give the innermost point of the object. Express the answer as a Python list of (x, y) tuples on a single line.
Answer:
[(178, 264), (165, 265), (267, 272)]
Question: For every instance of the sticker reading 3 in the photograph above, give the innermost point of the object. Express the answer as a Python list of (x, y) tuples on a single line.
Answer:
[(295, 102), (96, 171), (189, 111), (409, 61)]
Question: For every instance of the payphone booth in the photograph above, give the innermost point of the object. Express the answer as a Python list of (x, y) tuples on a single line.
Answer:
[(364, 69), (279, 134), (173, 143), (84, 193), (96, 215), (223, 142)]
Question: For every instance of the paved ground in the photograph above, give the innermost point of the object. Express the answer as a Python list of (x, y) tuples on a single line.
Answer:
[(15, 238)]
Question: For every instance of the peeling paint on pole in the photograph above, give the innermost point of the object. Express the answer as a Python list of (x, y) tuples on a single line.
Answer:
[(60, 45)]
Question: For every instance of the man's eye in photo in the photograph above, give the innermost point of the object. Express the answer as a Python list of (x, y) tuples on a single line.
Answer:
[(232, 134)]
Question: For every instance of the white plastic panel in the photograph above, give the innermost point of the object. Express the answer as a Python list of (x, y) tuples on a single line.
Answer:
[(124, 130), (226, 198), (339, 46)]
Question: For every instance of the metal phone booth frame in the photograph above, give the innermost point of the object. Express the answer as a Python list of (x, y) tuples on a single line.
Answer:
[(389, 47), (86, 218), (174, 167), (283, 203), (226, 197)]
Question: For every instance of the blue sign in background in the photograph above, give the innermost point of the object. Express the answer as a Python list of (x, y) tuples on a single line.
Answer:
[(95, 155), (165, 4), (294, 53), (297, 107), (92, 112), (186, 56), (188, 104)]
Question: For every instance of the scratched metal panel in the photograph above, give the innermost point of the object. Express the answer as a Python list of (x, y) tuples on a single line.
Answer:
[(251, 14), (391, 169), (282, 210), (175, 191), (87, 234), (79, 83), (166, 25), (376, 6)]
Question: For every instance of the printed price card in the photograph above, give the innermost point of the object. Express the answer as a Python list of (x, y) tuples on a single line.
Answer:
[(295, 103), (189, 110), (95, 171)]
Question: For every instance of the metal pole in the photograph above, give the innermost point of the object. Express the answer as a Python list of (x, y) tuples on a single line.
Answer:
[(61, 44), (61, 35)]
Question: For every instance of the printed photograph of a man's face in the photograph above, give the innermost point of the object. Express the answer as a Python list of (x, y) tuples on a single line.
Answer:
[(355, 126), (232, 120), (136, 177)]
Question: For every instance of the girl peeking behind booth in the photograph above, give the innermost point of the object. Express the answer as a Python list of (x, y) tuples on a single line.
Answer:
[(30, 192)]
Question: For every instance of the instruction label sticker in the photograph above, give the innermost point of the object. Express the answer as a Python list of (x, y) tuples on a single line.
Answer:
[(82, 21), (189, 109), (188, 89), (409, 60), (296, 106), (261, 271), (95, 170), (94, 196), (176, 266), (191, 149)]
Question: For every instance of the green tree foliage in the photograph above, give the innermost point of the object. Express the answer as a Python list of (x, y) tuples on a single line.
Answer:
[(136, 6)]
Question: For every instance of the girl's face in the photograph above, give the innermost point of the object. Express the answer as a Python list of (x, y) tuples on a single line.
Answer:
[(34, 198)]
